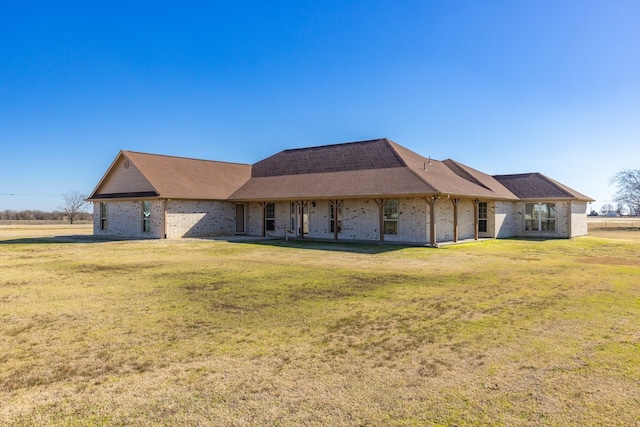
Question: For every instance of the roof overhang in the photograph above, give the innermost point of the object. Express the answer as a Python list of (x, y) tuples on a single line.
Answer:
[(124, 196)]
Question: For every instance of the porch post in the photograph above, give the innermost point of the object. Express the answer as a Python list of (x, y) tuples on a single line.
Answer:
[(380, 217), (335, 204), (300, 218), (264, 218), (432, 218), (455, 218), (302, 205), (475, 219)]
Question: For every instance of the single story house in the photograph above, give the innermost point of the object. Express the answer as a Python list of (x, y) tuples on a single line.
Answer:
[(372, 190)]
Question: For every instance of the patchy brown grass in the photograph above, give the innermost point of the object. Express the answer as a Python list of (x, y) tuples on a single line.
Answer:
[(196, 332)]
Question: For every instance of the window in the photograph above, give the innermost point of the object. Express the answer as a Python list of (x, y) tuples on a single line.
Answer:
[(540, 217), (146, 216), (390, 215), (482, 217), (103, 216), (332, 219), (270, 216)]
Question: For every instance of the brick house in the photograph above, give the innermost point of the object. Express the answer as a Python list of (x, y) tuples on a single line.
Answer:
[(371, 190)]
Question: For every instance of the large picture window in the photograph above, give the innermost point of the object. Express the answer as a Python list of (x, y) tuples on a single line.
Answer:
[(390, 216), (146, 216), (482, 217), (270, 216), (103, 216), (540, 217)]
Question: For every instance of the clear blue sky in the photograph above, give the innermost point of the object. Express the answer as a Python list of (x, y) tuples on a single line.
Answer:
[(549, 86)]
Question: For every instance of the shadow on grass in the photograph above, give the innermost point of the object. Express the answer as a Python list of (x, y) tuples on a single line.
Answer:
[(358, 248), (58, 239)]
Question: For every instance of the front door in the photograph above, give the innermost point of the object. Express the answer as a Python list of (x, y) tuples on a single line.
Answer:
[(240, 218)]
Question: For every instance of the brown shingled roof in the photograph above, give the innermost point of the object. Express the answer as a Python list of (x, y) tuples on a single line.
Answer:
[(373, 168), (452, 178), (344, 184), (352, 156), (538, 186), (363, 169), (184, 178)]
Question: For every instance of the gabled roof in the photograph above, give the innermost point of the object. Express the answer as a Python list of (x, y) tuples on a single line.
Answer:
[(170, 177), (355, 169), (452, 178), (537, 186), (351, 156), (365, 169), (377, 167)]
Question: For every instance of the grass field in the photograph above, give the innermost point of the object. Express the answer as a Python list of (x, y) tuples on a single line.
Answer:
[(198, 332)]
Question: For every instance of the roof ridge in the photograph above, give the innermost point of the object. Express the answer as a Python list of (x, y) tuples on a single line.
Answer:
[(535, 185), (556, 184), (184, 158), (546, 178), (517, 174), (462, 173), (359, 155), (331, 145), (393, 145)]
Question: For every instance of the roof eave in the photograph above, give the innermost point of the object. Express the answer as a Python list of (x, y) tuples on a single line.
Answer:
[(535, 199)]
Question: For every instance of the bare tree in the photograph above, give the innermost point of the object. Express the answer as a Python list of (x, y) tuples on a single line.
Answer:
[(74, 204), (607, 208), (628, 183)]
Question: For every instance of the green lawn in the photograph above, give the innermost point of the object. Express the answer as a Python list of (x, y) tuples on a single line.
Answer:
[(508, 332)]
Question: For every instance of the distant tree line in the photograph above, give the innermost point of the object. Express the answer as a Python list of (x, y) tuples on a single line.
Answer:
[(74, 209), (12, 215), (617, 209)]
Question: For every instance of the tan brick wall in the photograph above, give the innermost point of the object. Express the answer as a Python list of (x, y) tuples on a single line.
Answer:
[(359, 220), (193, 218), (578, 219), (124, 219), (282, 219), (504, 219)]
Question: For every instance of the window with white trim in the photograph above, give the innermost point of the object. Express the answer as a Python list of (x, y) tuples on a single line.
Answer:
[(103, 216), (270, 216), (482, 217), (390, 217), (146, 216), (540, 217)]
